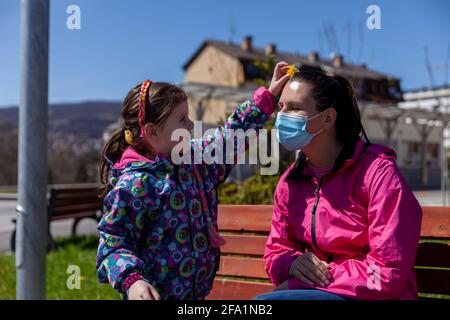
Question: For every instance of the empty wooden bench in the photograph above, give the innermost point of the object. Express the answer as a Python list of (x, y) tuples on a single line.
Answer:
[(73, 201), (241, 275)]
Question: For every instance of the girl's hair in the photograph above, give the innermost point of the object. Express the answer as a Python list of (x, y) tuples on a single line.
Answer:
[(336, 92), (159, 103)]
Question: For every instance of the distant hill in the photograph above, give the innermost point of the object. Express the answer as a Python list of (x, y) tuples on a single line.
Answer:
[(85, 119), (74, 144)]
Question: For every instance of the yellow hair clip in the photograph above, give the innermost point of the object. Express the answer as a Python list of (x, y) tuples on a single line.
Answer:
[(292, 71), (128, 137)]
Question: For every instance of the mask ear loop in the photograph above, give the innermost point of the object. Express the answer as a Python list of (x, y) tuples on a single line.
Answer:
[(142, 98), (312, 118)]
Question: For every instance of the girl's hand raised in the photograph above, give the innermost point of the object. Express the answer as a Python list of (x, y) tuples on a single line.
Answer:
[(141, 290), (279, 78)]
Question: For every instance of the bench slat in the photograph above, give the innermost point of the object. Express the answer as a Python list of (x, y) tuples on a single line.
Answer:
[(70, 210), (76, 201), (433, 281), (91, 196), (250, 218), (433, 254), (243, 244), (226, 289), (428, 254), (245, 267), (71, 190), (74, 192), (84, 214), (436, 222), (257, 218)]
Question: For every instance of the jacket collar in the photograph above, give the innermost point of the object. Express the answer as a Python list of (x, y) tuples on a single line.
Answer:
[(132, 160), (348, 155), (128, 156)]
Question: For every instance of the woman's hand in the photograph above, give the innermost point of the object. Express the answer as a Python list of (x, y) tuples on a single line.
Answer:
[(282, 286), (279, 78), (310, 269), (141, 290)]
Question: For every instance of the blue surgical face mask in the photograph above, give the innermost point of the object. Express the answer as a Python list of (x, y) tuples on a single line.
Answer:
[(291, 130)]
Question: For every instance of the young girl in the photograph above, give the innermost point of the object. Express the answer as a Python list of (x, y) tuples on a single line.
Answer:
[(158, 234)]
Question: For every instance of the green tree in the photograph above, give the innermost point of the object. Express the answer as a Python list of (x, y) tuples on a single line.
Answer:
[(266, 67)]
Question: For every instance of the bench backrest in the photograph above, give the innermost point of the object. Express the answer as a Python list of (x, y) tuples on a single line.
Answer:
[(73, 201), (245, 227), (433, 255)]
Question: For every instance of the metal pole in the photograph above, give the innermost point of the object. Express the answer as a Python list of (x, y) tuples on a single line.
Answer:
[(443, 165), (32, 179)]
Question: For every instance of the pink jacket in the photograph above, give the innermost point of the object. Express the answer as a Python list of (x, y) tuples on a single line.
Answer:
[(366, 225)]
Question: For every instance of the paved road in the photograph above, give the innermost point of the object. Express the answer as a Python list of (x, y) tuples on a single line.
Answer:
[(7, 212), (58, 228)]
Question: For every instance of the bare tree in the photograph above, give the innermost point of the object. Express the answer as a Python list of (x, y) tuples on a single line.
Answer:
[(200, 105), (361, 41), (348, 27), (321, 46), (447, 64), (428, 65)]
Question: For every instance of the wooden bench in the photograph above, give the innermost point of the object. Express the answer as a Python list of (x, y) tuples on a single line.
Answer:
[(73, 201), (241, 274)]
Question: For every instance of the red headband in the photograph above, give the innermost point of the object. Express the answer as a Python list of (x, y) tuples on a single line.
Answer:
[(142, 97)]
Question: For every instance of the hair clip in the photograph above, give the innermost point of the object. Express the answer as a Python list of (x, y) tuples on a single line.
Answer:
[(128, 136), (142, 97)]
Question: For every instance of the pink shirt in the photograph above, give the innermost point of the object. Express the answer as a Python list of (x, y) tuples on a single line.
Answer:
[(318, 172), (367, 219)]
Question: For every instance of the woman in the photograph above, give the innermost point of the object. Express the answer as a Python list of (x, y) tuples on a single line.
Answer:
[(345, 223)]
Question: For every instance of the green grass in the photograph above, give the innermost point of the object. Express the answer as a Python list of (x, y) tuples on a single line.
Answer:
[(8, 191), (434, 296), (80, 251)]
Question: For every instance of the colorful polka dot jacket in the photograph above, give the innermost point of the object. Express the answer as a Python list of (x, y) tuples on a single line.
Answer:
[(155, 217)]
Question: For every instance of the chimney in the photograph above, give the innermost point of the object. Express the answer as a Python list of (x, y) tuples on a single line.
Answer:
[(271, 49), (338, 61), (246, 44), (313, 56)]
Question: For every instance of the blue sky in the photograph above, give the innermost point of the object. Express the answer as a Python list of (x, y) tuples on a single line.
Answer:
[(122, 42)]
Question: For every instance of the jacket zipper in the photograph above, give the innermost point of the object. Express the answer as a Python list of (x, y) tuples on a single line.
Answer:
[(313, 222)]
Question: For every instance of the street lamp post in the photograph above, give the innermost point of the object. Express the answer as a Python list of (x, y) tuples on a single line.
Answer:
[(32, 178)]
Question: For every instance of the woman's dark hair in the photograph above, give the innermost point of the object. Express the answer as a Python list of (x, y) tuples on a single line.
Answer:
[(336, 92), (160, 102)]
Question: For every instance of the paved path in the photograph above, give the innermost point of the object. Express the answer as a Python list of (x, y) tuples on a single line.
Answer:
[(58, 228)]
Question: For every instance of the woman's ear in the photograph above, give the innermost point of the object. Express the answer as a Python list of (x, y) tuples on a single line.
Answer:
[(330, 117)]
